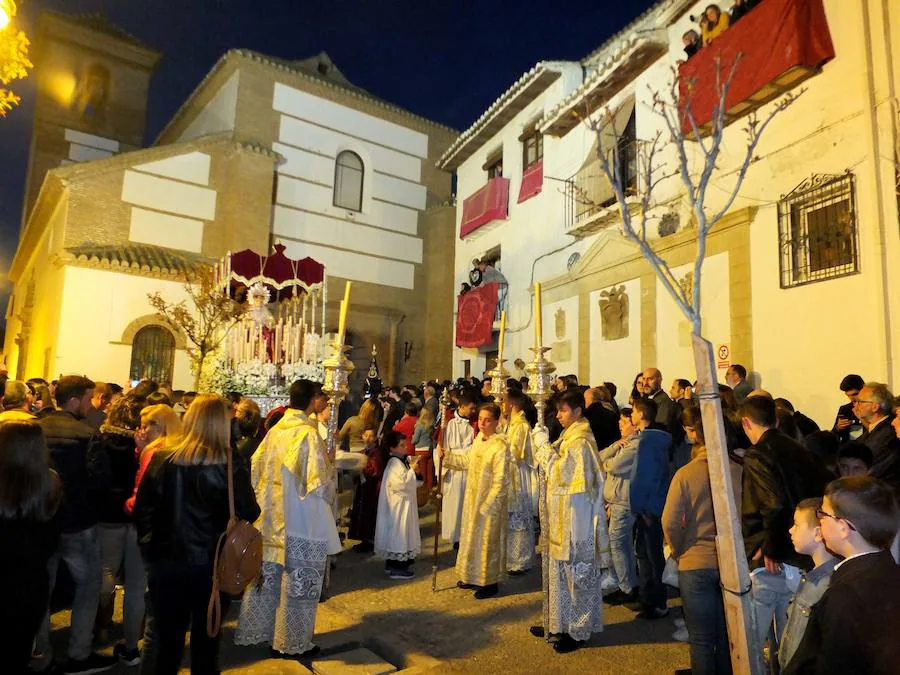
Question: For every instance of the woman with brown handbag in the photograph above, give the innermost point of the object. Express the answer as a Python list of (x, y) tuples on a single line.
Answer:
[(181, 511)]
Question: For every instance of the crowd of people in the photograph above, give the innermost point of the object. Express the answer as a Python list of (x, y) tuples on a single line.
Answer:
[(130, 488)]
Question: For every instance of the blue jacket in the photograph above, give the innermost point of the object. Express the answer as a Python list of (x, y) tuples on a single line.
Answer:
[(651, 476)]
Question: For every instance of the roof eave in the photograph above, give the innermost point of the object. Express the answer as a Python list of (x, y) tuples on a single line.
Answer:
[(600, 87), (511, 103)]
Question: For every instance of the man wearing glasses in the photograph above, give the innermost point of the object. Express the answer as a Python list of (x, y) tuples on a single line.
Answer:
[(875, 409)]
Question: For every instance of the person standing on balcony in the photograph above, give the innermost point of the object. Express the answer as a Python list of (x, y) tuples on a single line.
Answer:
[(717, 22)]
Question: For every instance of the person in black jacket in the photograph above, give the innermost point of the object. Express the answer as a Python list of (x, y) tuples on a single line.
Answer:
[(68, 439), (604, 422), (852, 629), (29, 531), (875, 408), (846, 424), (113, 449), (180, 512), (778, 474)]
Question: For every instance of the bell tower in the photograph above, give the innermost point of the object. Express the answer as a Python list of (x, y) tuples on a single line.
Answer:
[(92, 85)]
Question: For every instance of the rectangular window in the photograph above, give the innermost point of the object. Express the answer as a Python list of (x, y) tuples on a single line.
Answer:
[(494, 164), (532, 149), (817, 230)]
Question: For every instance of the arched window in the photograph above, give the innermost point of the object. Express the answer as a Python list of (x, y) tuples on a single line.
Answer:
[(348, 181), (153, 354)]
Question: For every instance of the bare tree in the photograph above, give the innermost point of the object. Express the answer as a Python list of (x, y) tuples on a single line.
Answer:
[(206, 322), (683, 137)]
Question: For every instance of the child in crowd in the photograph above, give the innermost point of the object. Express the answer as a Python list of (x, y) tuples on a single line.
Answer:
[(397, 537), (852, 629), (806, 535), (854, 459), (365, 500)]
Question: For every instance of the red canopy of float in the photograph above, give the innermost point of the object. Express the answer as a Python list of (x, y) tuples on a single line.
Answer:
[(283, 276)]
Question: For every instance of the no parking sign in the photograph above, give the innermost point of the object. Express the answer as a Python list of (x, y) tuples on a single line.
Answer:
[(723, 356)]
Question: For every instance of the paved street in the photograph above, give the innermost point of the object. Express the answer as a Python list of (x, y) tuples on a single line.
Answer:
[(450, 631)]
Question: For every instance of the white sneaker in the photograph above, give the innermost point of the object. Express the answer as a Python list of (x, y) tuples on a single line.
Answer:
[(681, 635), (679, 622)]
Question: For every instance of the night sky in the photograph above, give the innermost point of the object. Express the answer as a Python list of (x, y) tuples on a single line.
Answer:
[(447, 60)]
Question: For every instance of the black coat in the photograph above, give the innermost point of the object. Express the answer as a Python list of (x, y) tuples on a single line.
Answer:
[(112, 453), (68, 440), (181, 510), (668, 416), (604, 424), (853, 628), (846, 411), (778, 474), (885, 447)]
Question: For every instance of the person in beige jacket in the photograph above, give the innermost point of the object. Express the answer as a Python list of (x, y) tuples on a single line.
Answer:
[(689, 527)]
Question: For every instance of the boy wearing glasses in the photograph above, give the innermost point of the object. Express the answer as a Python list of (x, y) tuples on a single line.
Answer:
[(806, 535), (852, 629)]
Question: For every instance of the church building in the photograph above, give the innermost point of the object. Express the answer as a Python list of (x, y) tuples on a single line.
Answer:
[(265, 151)]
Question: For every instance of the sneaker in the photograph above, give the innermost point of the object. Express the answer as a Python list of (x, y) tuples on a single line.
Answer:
[(681, 635), (653, 613), (92, 664), (619, 597), (129, 657), (399, 575), (679, 622)]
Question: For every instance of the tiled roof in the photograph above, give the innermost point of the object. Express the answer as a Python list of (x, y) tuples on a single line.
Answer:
[(301, 68), (451, 159), (137, 259), (635, 47)]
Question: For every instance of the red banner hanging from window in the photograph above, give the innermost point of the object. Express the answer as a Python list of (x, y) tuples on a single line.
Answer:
[(475, 316)]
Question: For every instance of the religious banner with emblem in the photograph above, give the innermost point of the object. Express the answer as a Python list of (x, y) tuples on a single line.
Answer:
[(475, 316)]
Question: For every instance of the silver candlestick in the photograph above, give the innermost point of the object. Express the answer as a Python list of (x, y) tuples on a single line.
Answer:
[(540, 379), (498, 379)]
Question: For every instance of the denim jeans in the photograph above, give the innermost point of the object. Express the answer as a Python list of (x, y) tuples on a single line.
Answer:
[(648, 549), (118, 545), (771, 597), (621, 546), (704, 617), (81, 553)]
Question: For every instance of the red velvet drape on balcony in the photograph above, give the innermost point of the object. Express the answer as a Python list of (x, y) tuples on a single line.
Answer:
[(774, 37), (490, 202), (475, 316), (532, 181)]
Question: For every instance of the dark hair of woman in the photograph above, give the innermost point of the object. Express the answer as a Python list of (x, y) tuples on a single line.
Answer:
[(28, 487)]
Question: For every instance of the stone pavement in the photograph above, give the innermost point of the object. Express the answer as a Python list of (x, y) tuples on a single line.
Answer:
[(449, 631)]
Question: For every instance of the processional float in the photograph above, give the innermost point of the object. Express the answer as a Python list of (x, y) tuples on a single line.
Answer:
[(281, 336)]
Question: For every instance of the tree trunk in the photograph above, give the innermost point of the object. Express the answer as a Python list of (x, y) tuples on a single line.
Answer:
[(746, 652), (200, 360)]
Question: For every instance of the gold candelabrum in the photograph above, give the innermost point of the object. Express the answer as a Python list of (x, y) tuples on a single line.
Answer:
[(540, 370)]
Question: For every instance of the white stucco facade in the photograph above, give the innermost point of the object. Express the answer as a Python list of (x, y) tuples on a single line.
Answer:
[(798, 341)]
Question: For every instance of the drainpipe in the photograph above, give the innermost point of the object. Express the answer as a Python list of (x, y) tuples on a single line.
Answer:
[(887, 236)]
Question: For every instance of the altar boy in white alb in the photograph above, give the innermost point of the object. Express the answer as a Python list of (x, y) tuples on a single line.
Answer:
[(458, 438), (294, 485), (575, 541), (397, 537)]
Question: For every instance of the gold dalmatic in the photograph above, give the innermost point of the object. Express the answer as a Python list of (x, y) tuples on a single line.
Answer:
[(482, 545)]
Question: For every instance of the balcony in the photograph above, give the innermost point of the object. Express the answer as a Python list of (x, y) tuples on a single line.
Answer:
[(485, 208), (781, 43), (591, 203)]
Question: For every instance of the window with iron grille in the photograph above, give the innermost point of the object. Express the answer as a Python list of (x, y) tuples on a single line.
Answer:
[(817, 230), (153, 354)]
